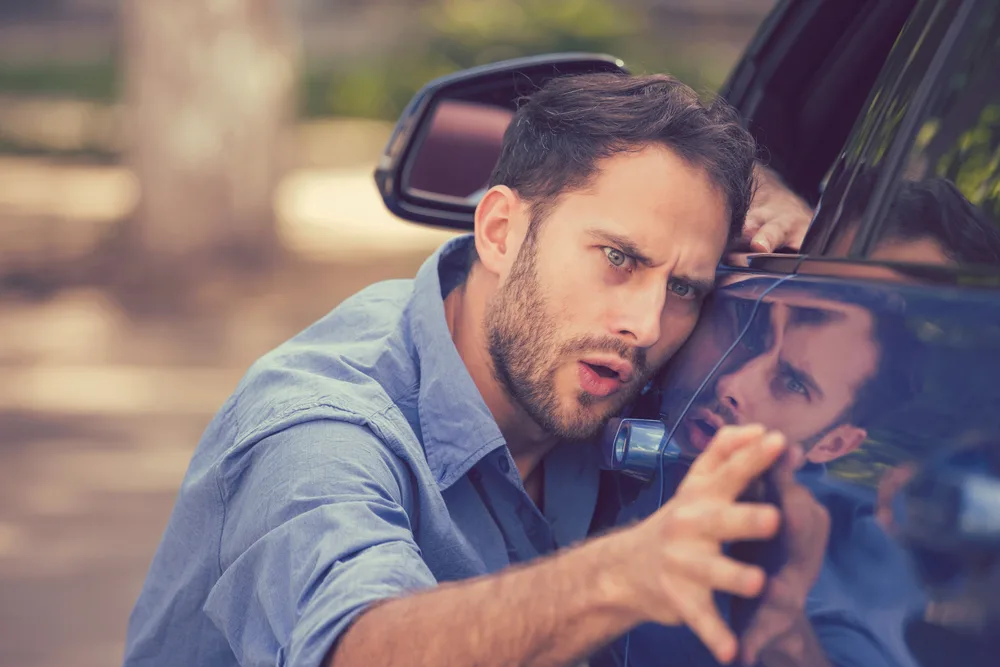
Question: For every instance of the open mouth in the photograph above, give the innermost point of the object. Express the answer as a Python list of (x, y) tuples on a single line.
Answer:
[(707, 428), (604, 371), (701, 426)]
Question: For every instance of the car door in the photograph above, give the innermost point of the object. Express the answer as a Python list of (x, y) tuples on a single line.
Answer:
[(877, 350)]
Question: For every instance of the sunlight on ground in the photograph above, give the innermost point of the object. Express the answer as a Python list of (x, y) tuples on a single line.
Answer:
[(338, 215)]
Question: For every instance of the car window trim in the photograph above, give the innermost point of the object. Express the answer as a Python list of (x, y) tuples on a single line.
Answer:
[(887, 184)]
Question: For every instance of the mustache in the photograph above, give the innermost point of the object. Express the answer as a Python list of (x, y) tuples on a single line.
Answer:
[(716, 406), (634, 355)]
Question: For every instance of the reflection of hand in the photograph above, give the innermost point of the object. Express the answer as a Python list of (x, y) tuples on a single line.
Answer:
[(676, 553), (777, 216), (779, 632), (892, 481)]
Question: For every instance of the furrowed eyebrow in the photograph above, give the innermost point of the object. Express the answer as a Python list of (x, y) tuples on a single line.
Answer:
[(801, 376), (703, 285), (627, 246), (623, 243)]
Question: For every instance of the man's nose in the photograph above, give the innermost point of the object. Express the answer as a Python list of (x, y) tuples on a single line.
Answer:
[(735, 390), (639, 315)]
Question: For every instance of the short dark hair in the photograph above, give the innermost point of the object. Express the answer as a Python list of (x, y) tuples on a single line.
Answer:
[(935, 208), (932, 208), (558, 135)]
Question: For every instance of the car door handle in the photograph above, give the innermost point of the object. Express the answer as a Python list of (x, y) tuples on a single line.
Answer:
[(639, 448)]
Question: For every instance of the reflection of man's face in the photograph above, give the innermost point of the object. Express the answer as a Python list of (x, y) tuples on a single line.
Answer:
[(797, 370)]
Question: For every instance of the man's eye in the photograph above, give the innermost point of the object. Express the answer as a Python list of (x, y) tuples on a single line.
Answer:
[(617, 258), (796, 387), (681, 289)]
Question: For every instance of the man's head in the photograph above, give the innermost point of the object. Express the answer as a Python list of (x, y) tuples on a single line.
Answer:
[(928, 222), (609, 209), (932, 222), (818, 367)]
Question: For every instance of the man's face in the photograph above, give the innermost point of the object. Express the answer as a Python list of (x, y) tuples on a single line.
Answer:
[(798, 370), (605, 289)]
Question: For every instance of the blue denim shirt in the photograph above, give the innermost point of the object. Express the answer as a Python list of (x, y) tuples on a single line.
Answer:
[(354, 463)]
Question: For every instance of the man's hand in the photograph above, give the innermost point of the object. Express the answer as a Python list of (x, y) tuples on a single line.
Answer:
[(676, 553), (777, 216), (779, 632)]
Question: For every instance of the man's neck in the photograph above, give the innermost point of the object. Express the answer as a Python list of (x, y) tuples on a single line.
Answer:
[(465, 310)]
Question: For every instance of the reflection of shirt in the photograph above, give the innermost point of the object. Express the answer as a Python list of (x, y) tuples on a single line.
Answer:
[(355, 463), (857, 606), (867, 586)]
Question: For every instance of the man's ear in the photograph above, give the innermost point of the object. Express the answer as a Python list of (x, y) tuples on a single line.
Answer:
[(841, 441), (498, 229)]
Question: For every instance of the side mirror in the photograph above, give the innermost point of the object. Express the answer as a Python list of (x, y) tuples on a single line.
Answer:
[(441, 154)]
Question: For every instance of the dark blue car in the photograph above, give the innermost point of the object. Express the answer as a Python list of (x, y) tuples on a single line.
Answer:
[(876, 345)]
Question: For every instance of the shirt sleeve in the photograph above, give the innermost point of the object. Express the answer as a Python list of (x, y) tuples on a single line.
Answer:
[(848, 643), (317, 528)]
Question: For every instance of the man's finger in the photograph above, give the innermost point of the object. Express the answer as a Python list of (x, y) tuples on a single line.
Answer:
[(747, 463), (727, 440), (764, 630), (720, 573), (784, 473), (742, 521), (754, 221), (768, 238), (704, 620)]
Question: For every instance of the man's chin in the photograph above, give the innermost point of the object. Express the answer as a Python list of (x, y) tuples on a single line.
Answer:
[(583, 421)]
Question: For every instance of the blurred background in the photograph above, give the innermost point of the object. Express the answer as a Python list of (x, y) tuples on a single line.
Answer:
[(183, 185)]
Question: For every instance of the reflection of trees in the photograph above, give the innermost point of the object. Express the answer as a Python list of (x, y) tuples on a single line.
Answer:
[(973, 162), (902, 76), (962, 141)]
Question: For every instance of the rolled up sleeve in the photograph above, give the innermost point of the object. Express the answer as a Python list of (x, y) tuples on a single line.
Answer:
[(317, 528)]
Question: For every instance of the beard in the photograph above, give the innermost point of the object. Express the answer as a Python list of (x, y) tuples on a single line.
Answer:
[(526, 353)]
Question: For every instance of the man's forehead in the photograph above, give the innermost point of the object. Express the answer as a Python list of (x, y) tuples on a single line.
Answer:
[(838, 351)]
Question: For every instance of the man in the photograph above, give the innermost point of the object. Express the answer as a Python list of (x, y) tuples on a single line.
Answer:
[(360, 498)]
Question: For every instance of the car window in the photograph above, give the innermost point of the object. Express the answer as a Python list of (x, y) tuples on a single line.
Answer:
[(855, 177), (945, 206)]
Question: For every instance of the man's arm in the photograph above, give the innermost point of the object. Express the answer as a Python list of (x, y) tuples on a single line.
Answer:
[(554, 612), (559, 610)]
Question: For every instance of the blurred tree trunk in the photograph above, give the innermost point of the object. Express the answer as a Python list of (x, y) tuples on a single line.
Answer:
[(210, 87)]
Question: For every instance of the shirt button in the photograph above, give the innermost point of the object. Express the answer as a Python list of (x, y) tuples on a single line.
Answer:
[(504, 465)]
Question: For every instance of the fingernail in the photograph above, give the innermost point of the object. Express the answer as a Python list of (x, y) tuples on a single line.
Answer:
[(774, 440)]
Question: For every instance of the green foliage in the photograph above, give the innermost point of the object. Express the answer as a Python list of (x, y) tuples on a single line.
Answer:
[(97, 81), (466, 33)]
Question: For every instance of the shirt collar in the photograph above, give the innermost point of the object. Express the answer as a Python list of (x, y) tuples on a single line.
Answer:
[(458, 428)]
